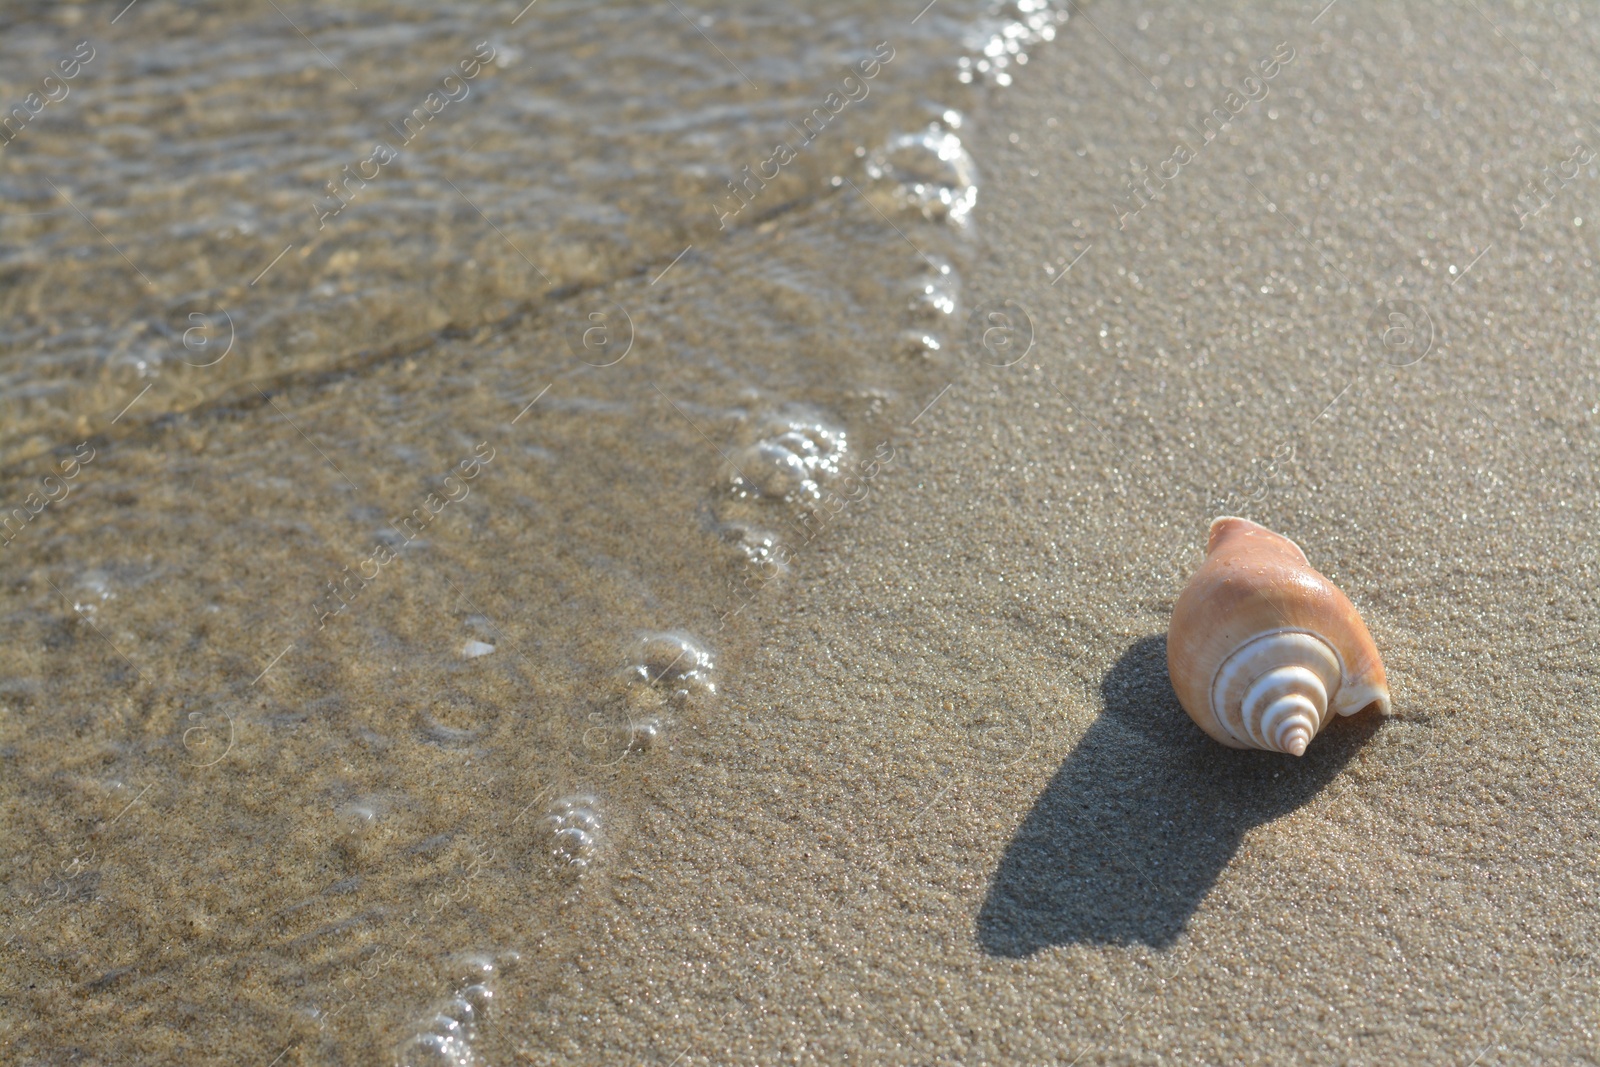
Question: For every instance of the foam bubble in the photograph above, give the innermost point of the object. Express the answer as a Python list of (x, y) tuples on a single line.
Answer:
[(674, 662), (573, 825), (999, 44), (620, 725), (757, 545), (666, 671), (797, 453), (928, 171), (435, 1050), (934, 299), (96, 589), (646, 734), (446, 1039), (935, 292), (358, 819), (359, 836), (920, 343)]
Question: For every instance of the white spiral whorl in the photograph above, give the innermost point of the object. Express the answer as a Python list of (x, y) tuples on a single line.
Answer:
[(1273, 692)]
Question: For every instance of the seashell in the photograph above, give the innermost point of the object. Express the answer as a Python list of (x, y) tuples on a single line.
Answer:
[(1262, 647)]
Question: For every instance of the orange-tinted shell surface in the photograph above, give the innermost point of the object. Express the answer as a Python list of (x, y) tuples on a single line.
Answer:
[(1262, 648)]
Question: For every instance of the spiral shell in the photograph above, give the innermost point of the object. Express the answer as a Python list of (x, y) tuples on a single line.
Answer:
[(1261, 646)]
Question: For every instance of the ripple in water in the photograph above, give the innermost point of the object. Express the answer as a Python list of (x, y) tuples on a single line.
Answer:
[(929, 171)]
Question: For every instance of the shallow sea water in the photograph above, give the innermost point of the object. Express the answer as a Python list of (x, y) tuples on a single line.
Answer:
[(399, 408)]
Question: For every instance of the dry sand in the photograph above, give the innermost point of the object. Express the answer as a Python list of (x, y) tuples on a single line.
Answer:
[(950, 811)]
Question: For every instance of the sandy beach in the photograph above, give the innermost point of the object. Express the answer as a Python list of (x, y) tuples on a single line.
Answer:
[(778, 675), (964, 820)]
